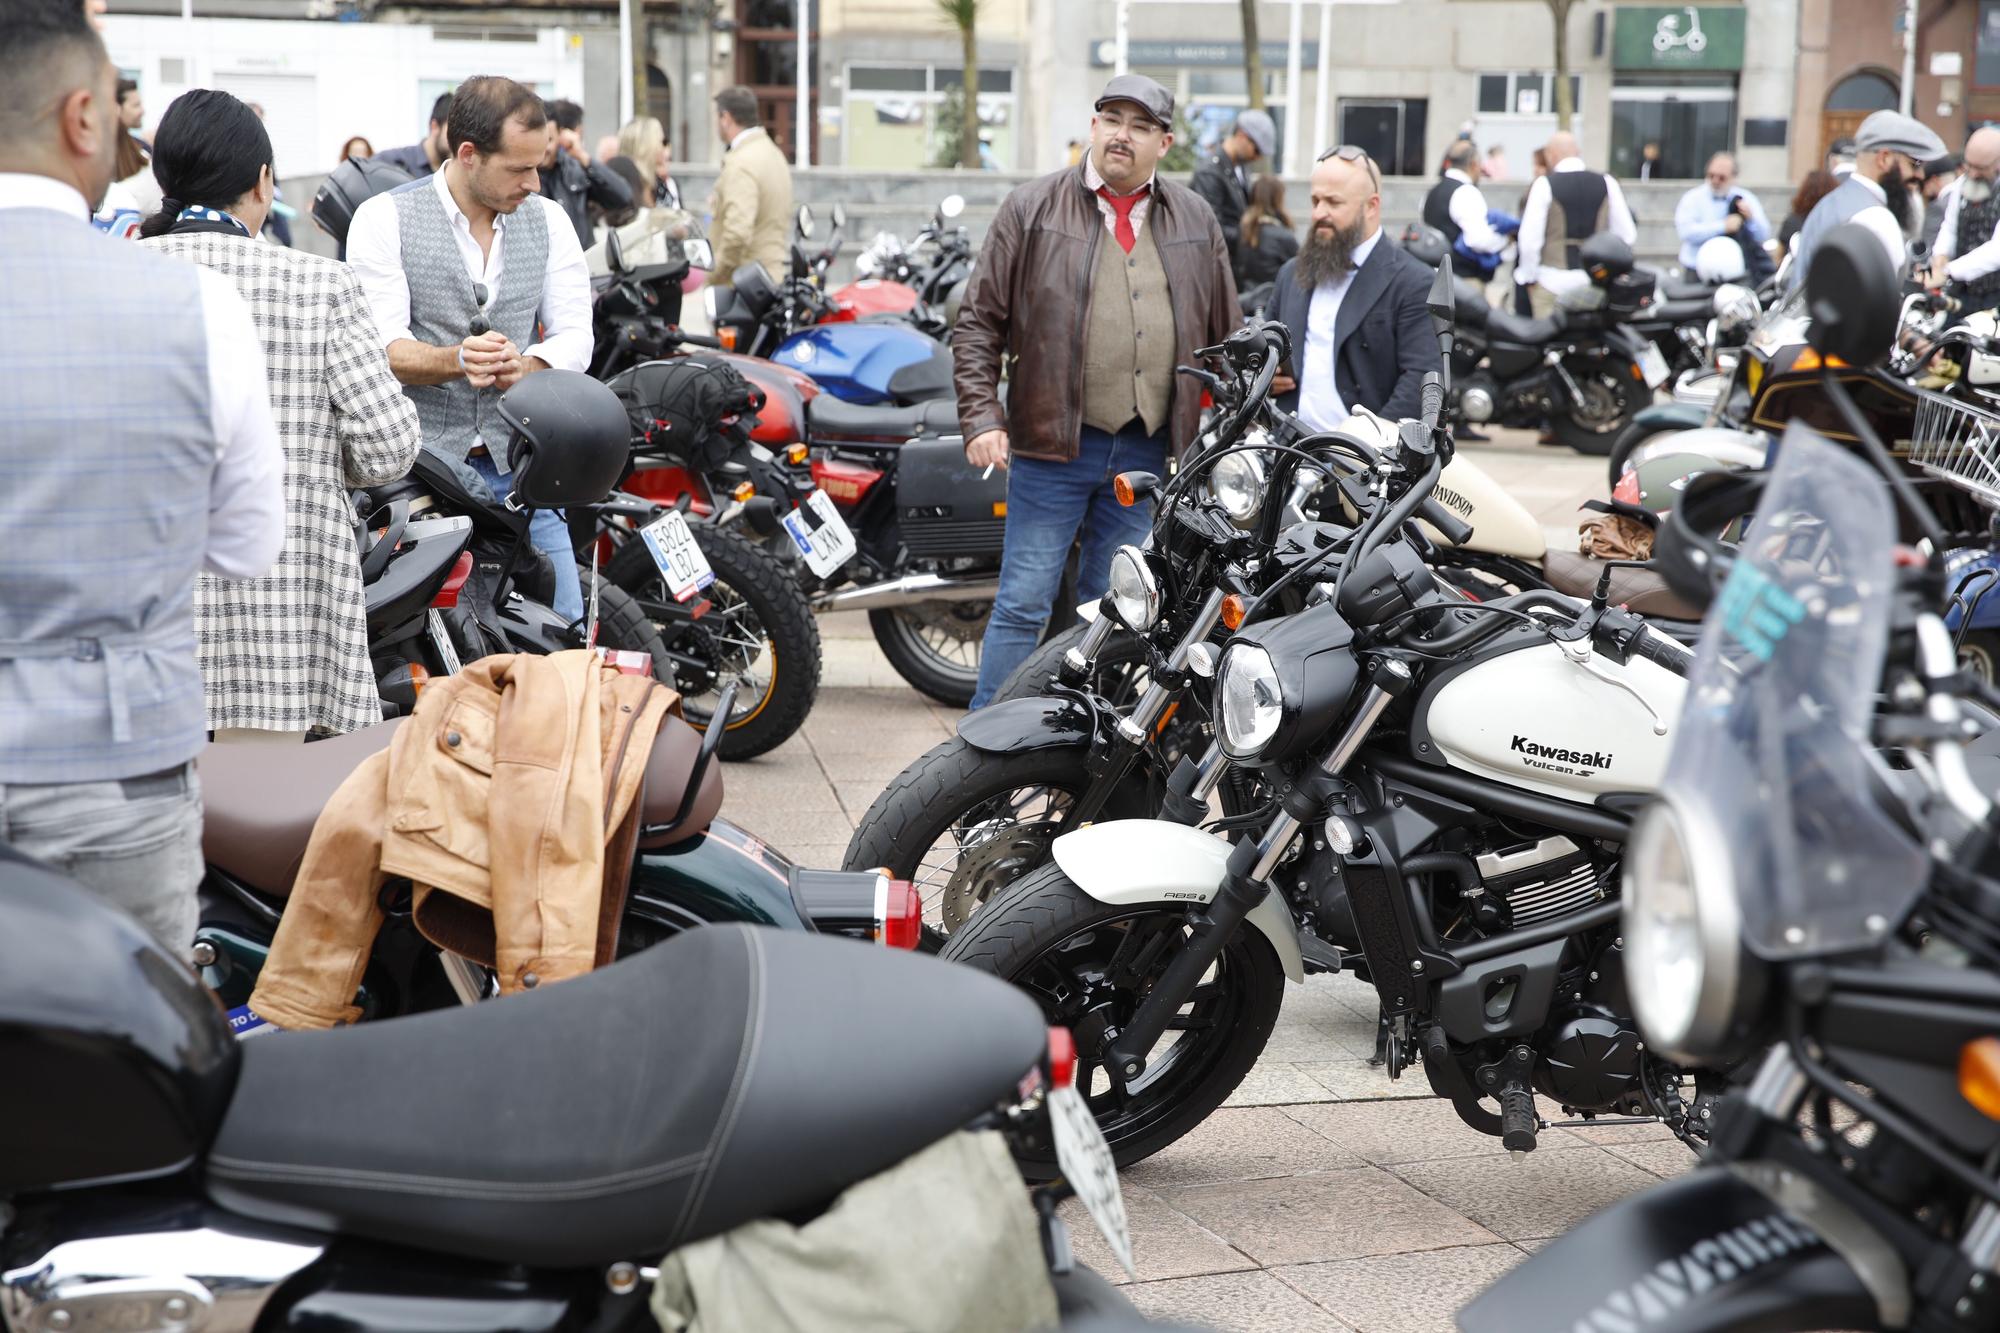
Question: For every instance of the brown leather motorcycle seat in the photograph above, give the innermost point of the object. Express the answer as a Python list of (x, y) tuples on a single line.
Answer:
[(260, 802), (1639, 590)]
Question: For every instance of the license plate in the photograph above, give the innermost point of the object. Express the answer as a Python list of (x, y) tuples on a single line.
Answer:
[(682, 565), (1086, 1162), (1653, 366), (821, 534)]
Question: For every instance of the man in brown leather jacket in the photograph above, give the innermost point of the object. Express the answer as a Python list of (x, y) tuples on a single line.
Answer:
[(1094, 283)]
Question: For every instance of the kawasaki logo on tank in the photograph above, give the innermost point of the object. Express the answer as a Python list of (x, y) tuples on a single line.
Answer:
[(1558, 760)]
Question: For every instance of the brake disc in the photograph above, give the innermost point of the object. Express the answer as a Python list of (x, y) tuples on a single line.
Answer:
[(989, 866)]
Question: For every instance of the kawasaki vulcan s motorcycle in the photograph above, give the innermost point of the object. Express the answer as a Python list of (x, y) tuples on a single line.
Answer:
[(1820, 878), (1446, 790)]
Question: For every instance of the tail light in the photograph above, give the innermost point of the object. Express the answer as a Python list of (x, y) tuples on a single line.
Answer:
[(845, 483), (1062, 1058), (448, 595), (899, 913)]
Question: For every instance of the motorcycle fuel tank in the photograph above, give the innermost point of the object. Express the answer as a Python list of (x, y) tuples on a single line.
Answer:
[(1500, 523), (872, 296), (863, 363), (1532, 718)]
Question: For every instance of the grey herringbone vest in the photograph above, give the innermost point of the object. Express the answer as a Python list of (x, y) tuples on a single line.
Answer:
[(1975, 228), (455, 416), (1852, 197), (107, 460)]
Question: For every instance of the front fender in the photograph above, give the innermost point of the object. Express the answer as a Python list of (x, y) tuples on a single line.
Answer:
[(1137, 861), (1015, 726), (1705, 1253)]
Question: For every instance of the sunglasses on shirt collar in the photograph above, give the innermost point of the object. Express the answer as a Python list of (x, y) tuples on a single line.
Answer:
[(1347, 152)]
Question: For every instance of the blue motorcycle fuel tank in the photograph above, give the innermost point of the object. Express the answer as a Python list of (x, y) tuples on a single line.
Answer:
[(1981, 594), (870, 363)]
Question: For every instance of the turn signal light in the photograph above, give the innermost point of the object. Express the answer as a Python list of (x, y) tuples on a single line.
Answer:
[(1810, 359), (418, 678), (1979, 1075), (743, 493), (1121, 486), (901, 913), (727, 337), (795, 454), (1062, 1058), (1233, 609)]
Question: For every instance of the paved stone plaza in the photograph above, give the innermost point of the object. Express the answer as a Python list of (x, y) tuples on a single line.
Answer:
[(1323, 1196)]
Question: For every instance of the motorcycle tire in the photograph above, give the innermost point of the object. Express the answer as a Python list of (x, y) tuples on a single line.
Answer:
[(1599, 441), (622, 623), (1044, 929), (749, 582), (1117, 674), (899, 632)]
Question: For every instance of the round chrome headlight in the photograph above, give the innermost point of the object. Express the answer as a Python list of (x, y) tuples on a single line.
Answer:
[(1135, 593), (1236, 482), (1682, 932), (1249, 702), (1736, 307)]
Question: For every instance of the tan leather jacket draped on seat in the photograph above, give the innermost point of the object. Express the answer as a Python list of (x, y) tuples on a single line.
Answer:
[(510, 800)]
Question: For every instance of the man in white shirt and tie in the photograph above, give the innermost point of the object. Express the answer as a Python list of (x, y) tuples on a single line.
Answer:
[(1361, 335)]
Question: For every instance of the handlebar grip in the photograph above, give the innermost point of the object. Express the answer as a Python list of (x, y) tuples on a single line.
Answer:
[(1433, 399), (1454, 529), (1662, 651), (694, 339)]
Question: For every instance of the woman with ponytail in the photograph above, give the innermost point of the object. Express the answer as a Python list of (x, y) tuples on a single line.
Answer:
[(286, 655)]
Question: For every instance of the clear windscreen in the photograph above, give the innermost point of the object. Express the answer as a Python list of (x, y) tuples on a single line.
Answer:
[(1774, 742)]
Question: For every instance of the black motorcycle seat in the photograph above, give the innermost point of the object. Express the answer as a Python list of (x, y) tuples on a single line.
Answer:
[(695, 1086), (1504, 326), (1693, 310), (260, 802), (1684, 289), (1639, 590), (833, 418)]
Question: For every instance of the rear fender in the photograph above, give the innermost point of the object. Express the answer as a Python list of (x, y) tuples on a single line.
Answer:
[(1670, 416), (1131, 862), (1015, 726), (1705, 1253)]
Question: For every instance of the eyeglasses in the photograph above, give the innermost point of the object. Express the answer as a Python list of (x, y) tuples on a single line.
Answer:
[(1347, 152)]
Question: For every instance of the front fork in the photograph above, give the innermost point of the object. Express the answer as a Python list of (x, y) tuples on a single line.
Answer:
[(1245, 881)]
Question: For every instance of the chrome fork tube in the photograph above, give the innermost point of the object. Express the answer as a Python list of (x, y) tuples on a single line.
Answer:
[(1138, 728), (1079, 658)]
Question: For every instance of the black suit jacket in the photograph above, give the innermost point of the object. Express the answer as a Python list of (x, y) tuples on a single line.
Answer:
[(1382, 340)]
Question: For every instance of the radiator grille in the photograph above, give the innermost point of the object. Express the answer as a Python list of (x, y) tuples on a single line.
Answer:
[(1538, 883)]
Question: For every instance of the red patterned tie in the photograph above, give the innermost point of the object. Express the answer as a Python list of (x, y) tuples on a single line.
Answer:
[(1122, 205)]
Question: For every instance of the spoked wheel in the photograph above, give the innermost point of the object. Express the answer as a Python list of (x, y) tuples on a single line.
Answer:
[(934, 646), (1089, 964), (757, 630), (1610, 398)]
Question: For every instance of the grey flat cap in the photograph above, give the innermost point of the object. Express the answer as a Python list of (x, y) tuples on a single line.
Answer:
[(1900, 133), (1258, 127), (1147, 95)]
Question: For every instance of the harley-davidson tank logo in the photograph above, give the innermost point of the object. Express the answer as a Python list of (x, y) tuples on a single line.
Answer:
[(1655, 1299), (1556, 759), (1452, 499)]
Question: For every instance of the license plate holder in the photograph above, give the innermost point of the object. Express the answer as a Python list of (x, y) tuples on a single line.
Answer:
[(1653, 366), (821, 535), (1086, 1163), (670, 541)]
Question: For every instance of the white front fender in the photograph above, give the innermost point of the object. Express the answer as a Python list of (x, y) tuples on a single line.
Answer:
[(1127, 862)]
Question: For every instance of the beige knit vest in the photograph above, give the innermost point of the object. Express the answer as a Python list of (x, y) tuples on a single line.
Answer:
[(1128, 350)]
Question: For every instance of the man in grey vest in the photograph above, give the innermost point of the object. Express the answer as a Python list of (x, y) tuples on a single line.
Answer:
[(1565, 208), (1890, 151), (1968, 240), (476, 242), (138, 451)]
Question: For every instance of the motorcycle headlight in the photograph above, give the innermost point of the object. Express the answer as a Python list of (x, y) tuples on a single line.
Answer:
[(1250, 702), (1135, 592), (1682, 932), (1736, 307), (1236, 482)]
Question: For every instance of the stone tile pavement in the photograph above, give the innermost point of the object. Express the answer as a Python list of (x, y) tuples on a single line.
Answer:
[(1322, 1196)]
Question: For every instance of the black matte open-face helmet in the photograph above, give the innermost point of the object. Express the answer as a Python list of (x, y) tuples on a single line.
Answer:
[(350, 185), (570, 439)]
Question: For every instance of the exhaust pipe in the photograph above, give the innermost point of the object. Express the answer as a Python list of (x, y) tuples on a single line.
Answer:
[(910, 590)]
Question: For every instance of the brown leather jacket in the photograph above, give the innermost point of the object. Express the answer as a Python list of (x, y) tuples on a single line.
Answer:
[(510, 800), (1029, 303)]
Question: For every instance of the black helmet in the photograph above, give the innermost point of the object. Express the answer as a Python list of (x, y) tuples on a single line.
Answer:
[(1425, 243), (571, 439), (350, 185)]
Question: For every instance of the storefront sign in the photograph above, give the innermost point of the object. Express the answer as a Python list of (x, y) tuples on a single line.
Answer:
[(1682, 37), (1172, 55)]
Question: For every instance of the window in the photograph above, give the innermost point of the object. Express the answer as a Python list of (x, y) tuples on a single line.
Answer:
[(1986, 59), (1529, 94), (1390, 128), (1691, 118), (891, 118), (1866, 91)]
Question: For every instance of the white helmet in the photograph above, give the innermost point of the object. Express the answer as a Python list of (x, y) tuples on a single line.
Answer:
[(1720, 259)]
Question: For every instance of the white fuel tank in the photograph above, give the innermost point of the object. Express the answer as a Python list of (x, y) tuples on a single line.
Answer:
[(1534, 719), (1501, 525)]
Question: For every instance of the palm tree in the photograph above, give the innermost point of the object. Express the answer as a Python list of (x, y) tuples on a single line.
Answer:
[(1565, 108), (964, 15)]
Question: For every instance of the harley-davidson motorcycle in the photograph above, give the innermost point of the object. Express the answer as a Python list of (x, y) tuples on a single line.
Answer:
[(1442, 790), (1816, 890)]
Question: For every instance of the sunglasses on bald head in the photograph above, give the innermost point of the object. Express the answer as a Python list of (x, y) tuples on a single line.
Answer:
[(1347, 152)]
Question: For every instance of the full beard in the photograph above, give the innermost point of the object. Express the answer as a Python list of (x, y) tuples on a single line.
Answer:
[(1328, 254), (1898, 191), (1975, 190)]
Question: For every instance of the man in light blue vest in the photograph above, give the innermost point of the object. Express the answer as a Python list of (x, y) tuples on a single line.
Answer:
[(1890, 151), (475, 247), (138, 451)]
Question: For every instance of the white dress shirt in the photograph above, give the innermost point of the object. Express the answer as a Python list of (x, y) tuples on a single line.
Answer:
[(246, 498), (375, 249), (1535, 232), (1320, 404), (1879, 220), (1467, 206), (1975, 263), (1110, 214)]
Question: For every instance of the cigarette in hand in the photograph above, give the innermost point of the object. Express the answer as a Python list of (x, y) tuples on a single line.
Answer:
[(987, 475)]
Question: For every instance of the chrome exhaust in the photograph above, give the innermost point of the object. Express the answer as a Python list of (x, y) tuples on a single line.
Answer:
[(908, 591)]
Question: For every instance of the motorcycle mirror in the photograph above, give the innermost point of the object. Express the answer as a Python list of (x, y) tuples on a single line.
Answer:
[(1853, 296), (1442, 304), (839, 216), (614, 253), (953, 205), (805, 221)]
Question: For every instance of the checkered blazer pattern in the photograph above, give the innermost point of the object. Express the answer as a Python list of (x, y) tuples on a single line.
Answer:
[(289, 651)]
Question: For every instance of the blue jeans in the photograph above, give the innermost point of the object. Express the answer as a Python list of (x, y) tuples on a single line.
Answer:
[(1048, 503), (549, 533)]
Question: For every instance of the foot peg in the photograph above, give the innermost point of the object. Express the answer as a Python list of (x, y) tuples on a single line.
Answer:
[(1518, 1121)]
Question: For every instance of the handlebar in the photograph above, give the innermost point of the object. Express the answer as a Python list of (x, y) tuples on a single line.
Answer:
[(678, 334), (1433, 400)]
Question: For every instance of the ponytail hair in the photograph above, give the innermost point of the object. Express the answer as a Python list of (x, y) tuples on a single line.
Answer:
[(210, 150)]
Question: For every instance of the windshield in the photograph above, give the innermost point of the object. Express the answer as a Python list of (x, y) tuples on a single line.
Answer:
[(1774, 746)]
